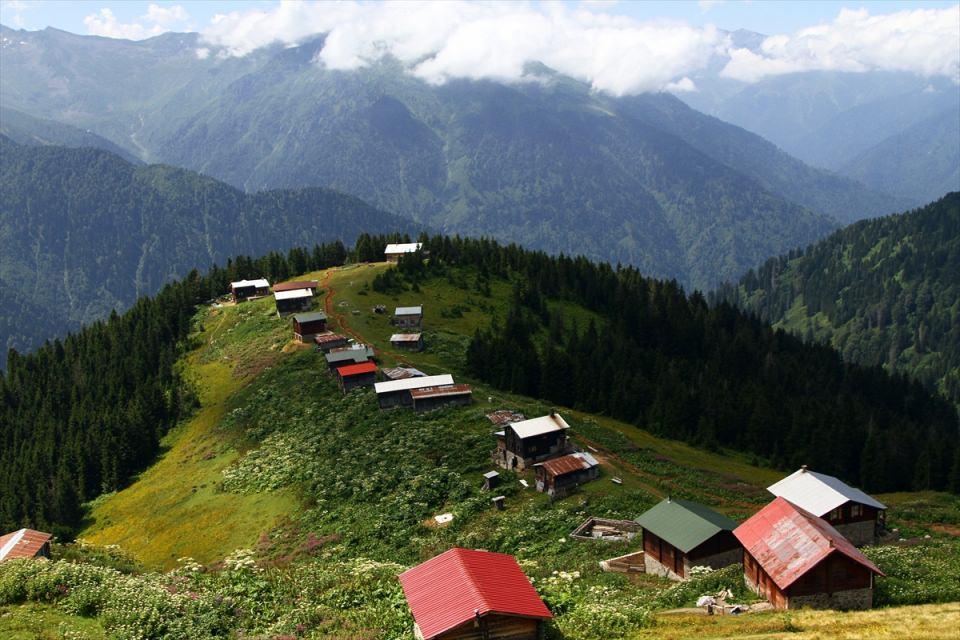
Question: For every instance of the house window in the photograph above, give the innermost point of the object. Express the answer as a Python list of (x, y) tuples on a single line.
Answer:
[(834, 515), (856, 510)]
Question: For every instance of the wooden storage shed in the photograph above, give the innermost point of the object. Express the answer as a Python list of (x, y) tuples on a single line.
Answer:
[(248, 289), (395, 393), (293, 301), (409, 317), (329, 341), (393, 251), (463, 594), (352, 376), (306, 326), (525, 443), (857, 516), (559, 476), (407, 341), (25, 543), (429, 398), (679, 535), (795, 559)]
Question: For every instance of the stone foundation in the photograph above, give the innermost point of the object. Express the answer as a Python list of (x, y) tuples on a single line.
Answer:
[(716, 561), (654, 567), (850, 599), (859, 533)]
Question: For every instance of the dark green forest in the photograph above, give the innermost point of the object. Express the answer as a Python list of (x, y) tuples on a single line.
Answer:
[(707, 374), (882, 292), (80, 416)]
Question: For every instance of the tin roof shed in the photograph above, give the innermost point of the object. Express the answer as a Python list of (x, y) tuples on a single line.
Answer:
[(293, 294), (819, 493), (313, 316), (571, 463), (684, 524), (25, 543), (408, 311)]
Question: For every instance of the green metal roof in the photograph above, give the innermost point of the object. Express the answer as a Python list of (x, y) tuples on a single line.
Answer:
[(310, 317), (684, 524)]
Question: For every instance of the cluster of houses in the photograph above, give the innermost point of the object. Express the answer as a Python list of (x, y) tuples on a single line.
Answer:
[(289, 297)]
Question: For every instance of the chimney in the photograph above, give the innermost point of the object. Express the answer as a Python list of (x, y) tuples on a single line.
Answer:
[(803, 468), (669, 499)]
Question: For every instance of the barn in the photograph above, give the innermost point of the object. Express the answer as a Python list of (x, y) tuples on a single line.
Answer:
[(525, 443), (293, 300), (679, 535), (429, 398), (857, 516), (352, 376), (247, 289), (328, 341), (312, 285), (393, 393), (407, 341), (795, 559), (394, 250), (354, 354), (463, 594), (559, 476), (306, 326), (25, 543), (410, 317)]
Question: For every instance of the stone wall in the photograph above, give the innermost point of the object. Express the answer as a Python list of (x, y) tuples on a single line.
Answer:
[(716, 561), (859, 533), (653, 566), (850, 599)]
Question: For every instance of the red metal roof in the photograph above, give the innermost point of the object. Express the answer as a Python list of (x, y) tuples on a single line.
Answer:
[(459, 584), (357, 369), (24, 543), (296, 284), (788, 541)]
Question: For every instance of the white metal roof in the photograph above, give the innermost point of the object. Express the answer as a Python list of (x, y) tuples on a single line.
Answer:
[(11, 543), (405, 337), (819, 493), (403, 247), (408, 311), (259, 283), (539, 426), (293, 294), (406, 384)]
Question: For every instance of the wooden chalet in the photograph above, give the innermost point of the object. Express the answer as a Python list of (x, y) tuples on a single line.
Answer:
[(25, 543), (463, 594), (410, 317), (306, 326), (856, 515), (293, 285), (352, 376), (293, 301), (679, 535), (353, 354), (393, 251), (429, 398), (328, 341), (525, 443), (559, 476), (795, 559), (407, 341), (395, 393), (247, 289)]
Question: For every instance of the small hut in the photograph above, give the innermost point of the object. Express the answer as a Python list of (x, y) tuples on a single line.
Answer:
[(329, 341), (795, 559), (429, 398), (25, 543), (352, 376), (463, 594), (249, 289), (407, 341), (306, 326), (394, 393), (409, 317), (293, 301), (679, 535), (559, 476), (394, 251), (354, 354), (525, 443)]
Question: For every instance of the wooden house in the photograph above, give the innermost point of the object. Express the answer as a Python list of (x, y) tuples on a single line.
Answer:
[(352, 376), (679, 535), (559, 476), (25, 543), (353, 354), (394, 250), (525, 443), (429, 398), (248, 289), (328, 341), (293, 301), (409, 317), (463, 594), (407, 341), (857, 516), (395, 393), (795, 559), (306, 326), (293, 285)]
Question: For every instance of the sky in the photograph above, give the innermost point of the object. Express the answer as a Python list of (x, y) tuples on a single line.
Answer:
[(618, 47)]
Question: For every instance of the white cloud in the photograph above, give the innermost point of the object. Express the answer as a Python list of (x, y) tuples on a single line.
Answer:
[(11, 11), (706, 5), (202, 53), (438, 41), (921, 41), (157, 20), (683, 85)]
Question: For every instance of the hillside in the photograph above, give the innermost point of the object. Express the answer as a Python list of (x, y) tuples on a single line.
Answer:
[(325, 495), (519, 162), (84, 232), (882, 292), (26, 130)]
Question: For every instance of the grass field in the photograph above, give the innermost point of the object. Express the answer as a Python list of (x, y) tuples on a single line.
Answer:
[(45, 622)]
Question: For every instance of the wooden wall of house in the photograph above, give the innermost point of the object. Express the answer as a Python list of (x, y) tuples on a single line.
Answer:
[(720, 542), (663, 552), (762, 582), (496, 627), (534, 446), (836, 573), (844, 514), (429, 404)]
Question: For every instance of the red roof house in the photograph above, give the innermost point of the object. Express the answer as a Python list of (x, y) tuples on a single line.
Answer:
[(463, 592), (362, 374), (795, 559), (25, 543)]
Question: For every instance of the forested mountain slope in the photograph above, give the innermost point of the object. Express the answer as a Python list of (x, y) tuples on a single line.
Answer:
[(27, 130), (548, 162), (882, 292), (83, 232)]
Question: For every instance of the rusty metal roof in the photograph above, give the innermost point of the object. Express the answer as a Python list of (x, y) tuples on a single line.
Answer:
[(324, 338), (25, 543), (440, 391), (569, 464), (788, 541), (401, 373), (296, 284), (460, 584), (503, 416)]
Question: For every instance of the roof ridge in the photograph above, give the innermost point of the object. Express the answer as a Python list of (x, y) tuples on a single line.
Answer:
[(461, 553)]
